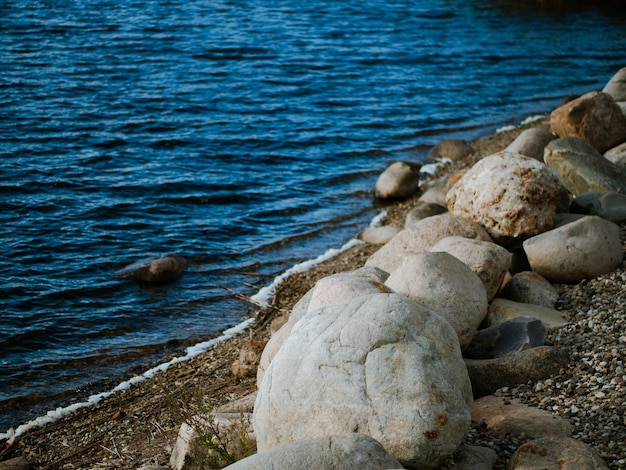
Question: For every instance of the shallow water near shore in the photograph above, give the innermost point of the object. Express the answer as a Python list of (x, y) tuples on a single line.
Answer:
[(245, 136)]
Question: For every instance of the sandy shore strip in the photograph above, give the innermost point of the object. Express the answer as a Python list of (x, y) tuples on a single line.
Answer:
[(137, 425)]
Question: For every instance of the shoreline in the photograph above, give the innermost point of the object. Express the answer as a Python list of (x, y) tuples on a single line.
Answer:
[(136, 426)]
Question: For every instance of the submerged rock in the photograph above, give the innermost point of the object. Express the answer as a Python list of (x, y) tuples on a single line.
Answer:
[(167, 268)]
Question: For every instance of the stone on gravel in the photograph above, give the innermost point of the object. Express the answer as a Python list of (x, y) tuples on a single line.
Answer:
[(16, 463), (609, 205), (556, 453), (616, 86), (347, 451), (513, 196), (445, 285), (379, 235), (502, 310), (512, 417), (469, 457), (381, 365), (248, 361), (582, 249), (398, 181), (530, 288), (594, 117), (423, 210), (617, 155), (423, 235), (488, 375), (531, 143), (489, 261), (450, 149), (434, 192), (166, 268), (508, 337), (581, 168)]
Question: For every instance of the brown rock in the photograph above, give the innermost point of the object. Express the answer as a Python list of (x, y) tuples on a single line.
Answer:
[(452, 149), (17, 463), (556, 453)]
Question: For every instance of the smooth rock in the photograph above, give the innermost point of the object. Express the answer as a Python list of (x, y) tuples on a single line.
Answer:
[(583, 249), (398, 181), (451, 149), (445, 285), (381, 365), (556, 453), (530, 288), (16, 463), (608, 205), (348, 452), (434, 192), (423, 235), (617, 155), (167, 268), (531, 143), (594, 117), (488, 375), (514, 197), (502, 310), (616, 86), (422, 211), (512, 417), (508, 337), (581, 168), (489, 261), (379, 235), (469, 457)]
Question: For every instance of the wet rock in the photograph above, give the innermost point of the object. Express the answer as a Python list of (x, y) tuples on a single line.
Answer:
[(579, 250), (608, 205), (531, 143), (488, 375), (451, 149), (489, 261), (530, 288), (616, 86), (445, 285), (421, 236), (508, 337), (379, 235), (422, 211), (512, 417), (167, 268), (332, 376), (514, 197), (348, 451), (594, 118), (398, 181), (556, 453), (582, 169)]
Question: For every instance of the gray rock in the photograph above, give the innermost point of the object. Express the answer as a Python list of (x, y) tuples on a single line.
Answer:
[(608, 205), (530, 288), (348, 451), (512, 417), (502, 310), (381, 365), (421, 236), (167, 268), (379, 235), (508, 337), (616, 86), (579, 250), (556, 453), (594, 118), (488, 375), (581, 168), (617, 155), (434, 192), (398, 181), (531, 143), (445, 285), (489, 261), (473, 458), (451, 149), (422, 211), (514, 197)]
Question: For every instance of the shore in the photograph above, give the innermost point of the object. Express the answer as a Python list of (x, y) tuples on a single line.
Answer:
[(137, 427)]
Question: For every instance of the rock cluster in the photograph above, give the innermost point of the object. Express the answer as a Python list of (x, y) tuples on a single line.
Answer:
[(439, 317)]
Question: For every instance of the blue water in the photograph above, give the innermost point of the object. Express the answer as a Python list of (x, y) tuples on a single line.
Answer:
[(245, 135)]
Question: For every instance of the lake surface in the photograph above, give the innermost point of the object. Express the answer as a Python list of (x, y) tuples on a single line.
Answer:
[(245, 135)]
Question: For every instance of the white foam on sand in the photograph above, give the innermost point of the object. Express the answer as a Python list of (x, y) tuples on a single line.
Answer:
[(262, 298)]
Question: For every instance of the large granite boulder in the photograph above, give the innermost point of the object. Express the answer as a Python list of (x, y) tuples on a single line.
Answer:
[(347, 451), (531, 143), (451, 149), (616, 86), (581, 168), (421, 236), (583, 249), (594, 117), (489, 261), (398, 181), (445, 285), (381, 365), (161, 270), (513, 196), (606, 204)]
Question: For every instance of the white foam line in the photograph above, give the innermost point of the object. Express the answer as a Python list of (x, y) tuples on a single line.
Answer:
[(376, 220), (54, 415), (528, 120)]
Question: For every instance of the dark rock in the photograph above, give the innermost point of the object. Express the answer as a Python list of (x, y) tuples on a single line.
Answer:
[(167, 268), (607, 204), (452, 149), (502, 339)]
